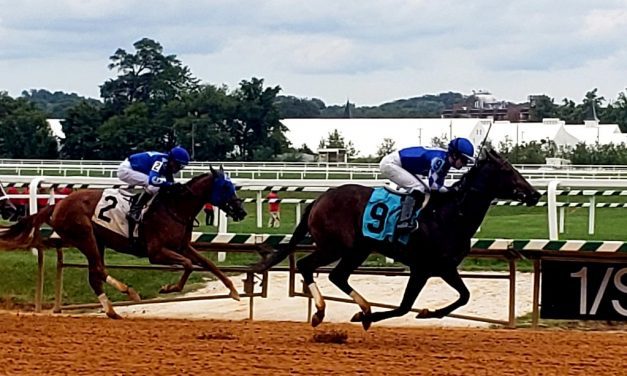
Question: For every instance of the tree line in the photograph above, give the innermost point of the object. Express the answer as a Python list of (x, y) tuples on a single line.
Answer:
[(154, 102)]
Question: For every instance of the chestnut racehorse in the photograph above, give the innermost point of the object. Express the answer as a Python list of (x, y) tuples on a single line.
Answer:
[(164, 234)]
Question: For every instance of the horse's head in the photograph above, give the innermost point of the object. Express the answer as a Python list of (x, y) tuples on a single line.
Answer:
[(7, 209), (223, 195), (496, 176)]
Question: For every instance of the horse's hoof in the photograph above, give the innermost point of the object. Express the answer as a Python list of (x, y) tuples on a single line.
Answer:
[(133, 295), (423, 314), (358, 317), (167, 289), (366, 324), (113, 315), (235, 295), (317, 318)]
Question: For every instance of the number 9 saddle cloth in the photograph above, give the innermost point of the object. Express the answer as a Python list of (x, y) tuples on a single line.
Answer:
[(382, 214)]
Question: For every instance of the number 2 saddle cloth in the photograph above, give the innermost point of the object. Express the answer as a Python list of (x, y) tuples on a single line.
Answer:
[(112, 210), (382, 214)]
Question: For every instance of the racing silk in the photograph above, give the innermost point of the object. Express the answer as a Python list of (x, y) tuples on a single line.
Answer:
[(430, 162), (154, 165)]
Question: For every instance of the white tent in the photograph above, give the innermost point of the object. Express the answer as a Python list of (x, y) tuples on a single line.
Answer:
[(368, 134)]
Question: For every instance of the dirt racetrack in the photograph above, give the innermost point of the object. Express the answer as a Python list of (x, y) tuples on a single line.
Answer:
[(44, 344)]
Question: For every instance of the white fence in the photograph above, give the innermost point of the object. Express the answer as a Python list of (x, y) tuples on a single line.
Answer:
[(569, 187), (281, 170)]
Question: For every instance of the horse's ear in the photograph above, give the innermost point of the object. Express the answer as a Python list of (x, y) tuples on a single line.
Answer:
[(212, 170), (221, 169)]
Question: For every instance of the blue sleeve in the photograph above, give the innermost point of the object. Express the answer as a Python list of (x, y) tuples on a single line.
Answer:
[(155, 177), (437, 173)]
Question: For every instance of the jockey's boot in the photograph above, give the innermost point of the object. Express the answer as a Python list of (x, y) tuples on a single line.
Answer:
[(134, 213), (407, 221)]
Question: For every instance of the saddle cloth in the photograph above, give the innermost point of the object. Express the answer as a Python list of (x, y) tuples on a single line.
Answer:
[(112, 210), (382, 214)]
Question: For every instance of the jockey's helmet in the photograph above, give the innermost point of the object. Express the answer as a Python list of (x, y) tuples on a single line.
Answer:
[(180, 155), (463, 147)]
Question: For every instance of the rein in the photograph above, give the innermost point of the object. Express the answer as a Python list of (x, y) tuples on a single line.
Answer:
[(173, 214)]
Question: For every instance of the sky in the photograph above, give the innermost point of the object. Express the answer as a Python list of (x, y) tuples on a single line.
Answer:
[(368, 52)]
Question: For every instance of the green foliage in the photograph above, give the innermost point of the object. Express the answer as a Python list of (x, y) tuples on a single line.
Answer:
[(146, 76), (81, 132), (24, 132), (56, 105), (336, 140), (387, 146)]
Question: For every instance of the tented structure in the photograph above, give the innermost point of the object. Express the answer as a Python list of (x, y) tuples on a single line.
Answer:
[(368, 134)]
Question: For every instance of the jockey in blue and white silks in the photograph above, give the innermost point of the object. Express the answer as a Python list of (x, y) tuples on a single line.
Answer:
[(402, 166), (152, 170)]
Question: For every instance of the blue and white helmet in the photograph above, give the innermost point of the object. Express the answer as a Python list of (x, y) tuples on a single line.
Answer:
[(180, 155), (462, 146)]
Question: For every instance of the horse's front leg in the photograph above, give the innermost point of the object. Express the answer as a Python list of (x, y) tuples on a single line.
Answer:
[(454, 280), (165, 256), (201, 260), (416, 282)]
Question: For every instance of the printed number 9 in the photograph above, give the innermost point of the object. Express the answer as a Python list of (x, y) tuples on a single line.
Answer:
[(379, 212)]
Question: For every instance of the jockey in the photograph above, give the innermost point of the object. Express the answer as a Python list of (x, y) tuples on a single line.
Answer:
[(152, 170), (402, 166)]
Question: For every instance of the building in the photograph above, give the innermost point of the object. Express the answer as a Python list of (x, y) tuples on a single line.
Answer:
[(367, 135)]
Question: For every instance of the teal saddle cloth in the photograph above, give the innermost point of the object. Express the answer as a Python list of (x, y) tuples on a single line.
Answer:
[(382, 214)]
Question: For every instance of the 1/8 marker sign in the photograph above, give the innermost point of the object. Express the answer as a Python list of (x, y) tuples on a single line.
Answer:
[(587, 291)]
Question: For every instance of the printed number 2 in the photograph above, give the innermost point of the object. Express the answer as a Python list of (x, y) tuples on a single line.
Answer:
[(379, 212), (112, 203)]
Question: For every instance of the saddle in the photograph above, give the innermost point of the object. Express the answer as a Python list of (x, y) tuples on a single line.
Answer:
[(112, 212), (382, 214)]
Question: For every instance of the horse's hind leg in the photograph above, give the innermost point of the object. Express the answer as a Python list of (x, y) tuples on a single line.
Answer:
[(307, 266), (342, 271), (85, 241)]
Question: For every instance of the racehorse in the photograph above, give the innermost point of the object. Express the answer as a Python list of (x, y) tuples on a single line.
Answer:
[(7, 209), (441, 242), (165, 232)]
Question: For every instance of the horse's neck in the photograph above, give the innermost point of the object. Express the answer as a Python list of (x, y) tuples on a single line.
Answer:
[(183, 207), (472, 210)]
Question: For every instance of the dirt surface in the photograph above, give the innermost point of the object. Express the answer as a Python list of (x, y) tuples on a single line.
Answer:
[(44, 344)]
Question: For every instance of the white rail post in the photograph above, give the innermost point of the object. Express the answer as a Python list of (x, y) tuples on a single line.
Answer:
[(259, 210), (552, 209), (222, 229), (562, 219), (591, 214), (298, 213), (33, 187)]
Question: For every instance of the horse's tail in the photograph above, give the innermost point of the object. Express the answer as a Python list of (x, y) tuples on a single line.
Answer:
[(272, 257), (25, 233)]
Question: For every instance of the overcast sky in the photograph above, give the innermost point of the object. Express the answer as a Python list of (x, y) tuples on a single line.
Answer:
[(368, 51)]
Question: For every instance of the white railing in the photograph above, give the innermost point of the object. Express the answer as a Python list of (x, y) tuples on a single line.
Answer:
[(569, 187), (281, 170)]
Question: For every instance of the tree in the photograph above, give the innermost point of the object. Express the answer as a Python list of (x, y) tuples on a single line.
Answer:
[(542, 107), (56, 105), (81, 132), (131, 132), (257, 130), (387, 146), (335, 140), (591, 104), (145, 76), (24, 131)]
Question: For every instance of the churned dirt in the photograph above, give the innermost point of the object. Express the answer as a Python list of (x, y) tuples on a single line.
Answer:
[(52, 345)]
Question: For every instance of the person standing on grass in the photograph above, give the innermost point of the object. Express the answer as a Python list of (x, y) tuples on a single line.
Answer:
[(274, 207), (208, 209)]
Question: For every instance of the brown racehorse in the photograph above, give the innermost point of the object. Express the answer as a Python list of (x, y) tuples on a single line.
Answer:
[(165, 231), (442, 241)]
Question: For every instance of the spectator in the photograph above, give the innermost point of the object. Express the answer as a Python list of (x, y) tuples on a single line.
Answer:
[(43, 200), (274, 208), (62, 191), (208, 214)]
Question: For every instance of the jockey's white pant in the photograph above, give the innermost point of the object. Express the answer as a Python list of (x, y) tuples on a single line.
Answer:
[(392, 169), (132, 177)]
